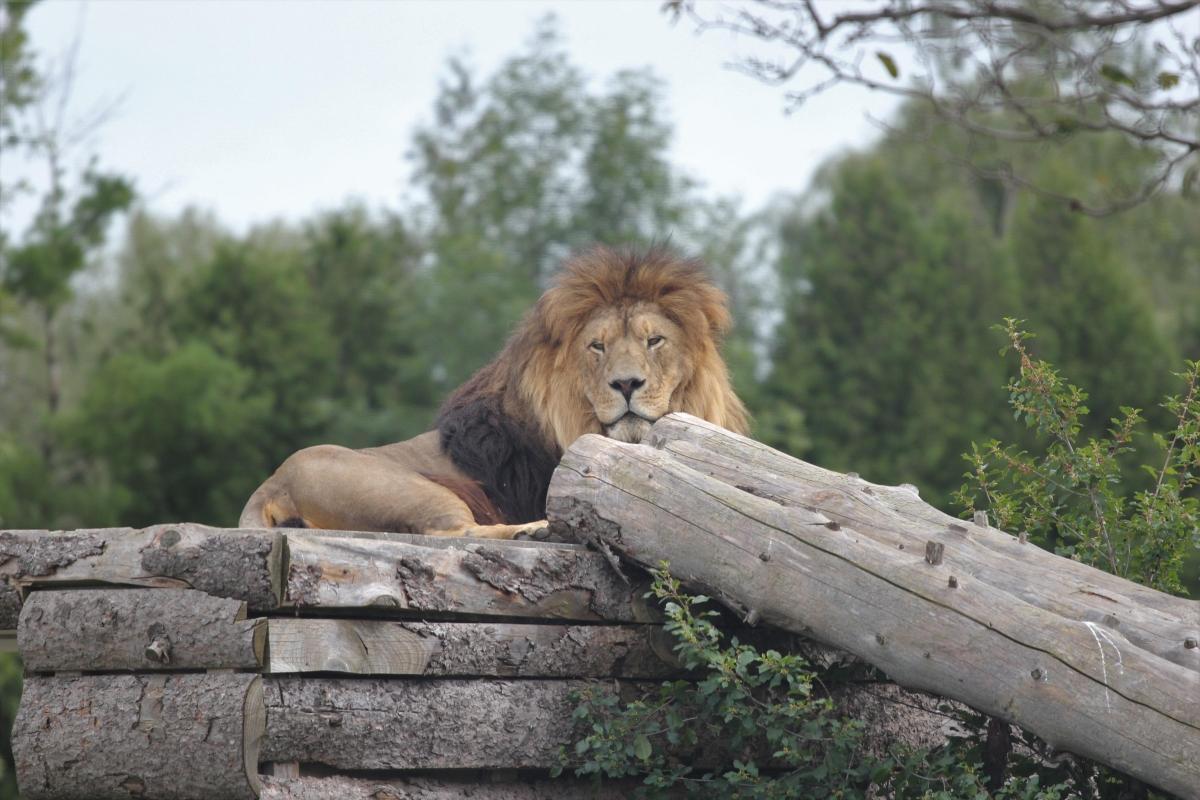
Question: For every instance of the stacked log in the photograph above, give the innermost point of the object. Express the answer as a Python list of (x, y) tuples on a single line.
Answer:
[(182, 661)]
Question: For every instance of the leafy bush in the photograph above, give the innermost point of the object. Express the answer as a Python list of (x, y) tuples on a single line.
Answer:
[(1076, 497), (775, 724)]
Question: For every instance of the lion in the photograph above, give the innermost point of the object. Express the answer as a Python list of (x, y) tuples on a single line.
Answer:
[(620, 338)]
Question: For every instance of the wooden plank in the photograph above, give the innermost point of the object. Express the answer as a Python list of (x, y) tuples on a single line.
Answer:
[(1081, 685), (478, 577), (383, 647), (168, 736), (239, 564), (136, 629), (476, 787)]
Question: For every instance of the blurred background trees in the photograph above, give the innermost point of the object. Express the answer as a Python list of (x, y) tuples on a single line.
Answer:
[(162, 376)]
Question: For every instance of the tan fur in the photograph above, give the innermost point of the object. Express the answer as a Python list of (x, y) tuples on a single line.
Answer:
[(611, 319)]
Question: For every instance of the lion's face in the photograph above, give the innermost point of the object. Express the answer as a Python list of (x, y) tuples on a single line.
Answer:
[(634, 359)]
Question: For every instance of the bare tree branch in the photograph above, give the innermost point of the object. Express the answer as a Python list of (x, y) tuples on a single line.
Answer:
[(1009, 71)]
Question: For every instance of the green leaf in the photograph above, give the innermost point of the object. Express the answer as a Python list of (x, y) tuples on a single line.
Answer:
[(889, 64), (1115, 74), (641, 747), (1167, 80)]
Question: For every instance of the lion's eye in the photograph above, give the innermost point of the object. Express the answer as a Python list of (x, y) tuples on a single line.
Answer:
[(654, 341), (596, 347)]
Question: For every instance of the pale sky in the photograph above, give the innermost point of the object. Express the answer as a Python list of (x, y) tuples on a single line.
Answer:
[(264, 109)]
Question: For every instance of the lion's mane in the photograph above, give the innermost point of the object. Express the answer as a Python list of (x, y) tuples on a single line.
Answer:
[(509, 424)]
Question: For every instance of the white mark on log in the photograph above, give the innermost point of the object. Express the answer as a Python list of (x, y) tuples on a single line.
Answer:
[(1102, 636), (908, 487)]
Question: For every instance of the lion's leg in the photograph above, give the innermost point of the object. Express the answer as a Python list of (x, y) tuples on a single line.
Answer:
[(337, 488), (495, 531)]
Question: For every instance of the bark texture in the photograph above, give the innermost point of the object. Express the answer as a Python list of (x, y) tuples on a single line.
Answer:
[(1091, 663), (478, 788), (166, 736), (477, 577), (377, 724), (239, 564), (379, 647), (380, 724), (134, 629)]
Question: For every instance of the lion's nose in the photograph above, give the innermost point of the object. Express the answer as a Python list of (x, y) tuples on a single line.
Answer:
[(627, 386)]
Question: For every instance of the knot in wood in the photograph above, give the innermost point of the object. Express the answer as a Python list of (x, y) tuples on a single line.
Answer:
[(159, 649), (1191, 643), (953, 582), (933, 552), (1037, 674)]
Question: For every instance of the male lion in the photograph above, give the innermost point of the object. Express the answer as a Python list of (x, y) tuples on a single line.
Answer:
[(620, 339)]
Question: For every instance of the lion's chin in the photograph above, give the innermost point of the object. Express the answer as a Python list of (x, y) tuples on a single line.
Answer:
[(630, 428)]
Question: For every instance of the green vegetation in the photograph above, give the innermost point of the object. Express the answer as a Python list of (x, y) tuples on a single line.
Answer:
[(162, 378)]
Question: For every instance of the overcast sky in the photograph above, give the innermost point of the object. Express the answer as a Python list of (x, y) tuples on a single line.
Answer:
[(261, 109)]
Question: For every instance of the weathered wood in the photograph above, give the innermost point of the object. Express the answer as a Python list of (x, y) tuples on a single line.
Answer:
[(895, 517), (478, 577), (166, 736), (239, 564), (824, 558), (453, 723), (135, 629), (477, 787), (383, 647)]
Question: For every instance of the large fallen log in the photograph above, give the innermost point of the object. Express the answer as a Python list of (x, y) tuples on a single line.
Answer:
[(1091, 663)]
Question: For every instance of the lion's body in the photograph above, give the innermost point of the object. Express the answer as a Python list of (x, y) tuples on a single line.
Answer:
[(618, 341)]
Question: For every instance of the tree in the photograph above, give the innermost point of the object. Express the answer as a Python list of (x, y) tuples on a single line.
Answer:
[(1016, 72), (526, 166), (884, 336)]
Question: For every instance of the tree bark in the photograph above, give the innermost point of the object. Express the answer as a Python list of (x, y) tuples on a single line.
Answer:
[(416, 788), (475, 577), (133, 629), (453, 723), (381, 647), (1093, 664), (239, 564), (166, 736), (481, 723)]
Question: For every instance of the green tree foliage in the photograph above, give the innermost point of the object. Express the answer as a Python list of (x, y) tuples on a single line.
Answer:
[(182, 435), (518, 170), (881, 341)]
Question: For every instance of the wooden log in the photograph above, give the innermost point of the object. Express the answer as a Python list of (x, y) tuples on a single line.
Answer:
[(478, 577), (477, 787), (897, 518), (841, 576), (239, 564), (134, 629), (167, 736), (383, 647), (453, 723)]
